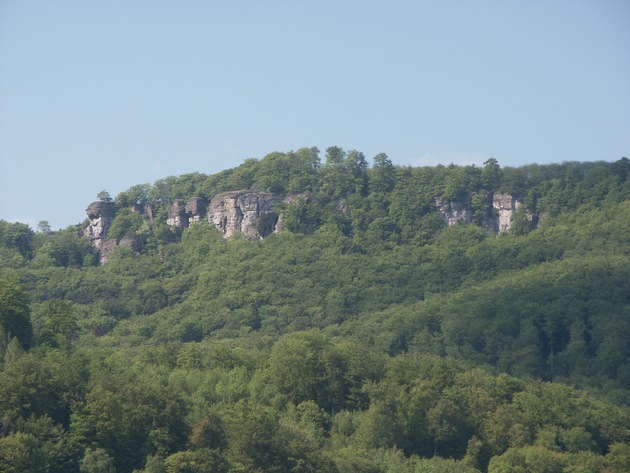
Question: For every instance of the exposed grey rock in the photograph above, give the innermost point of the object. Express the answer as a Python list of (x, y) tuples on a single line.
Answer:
[(504, 205), (177, 214), (184, 212), (250, 213), (130, 242), (125, 242), (195, 209), (254, 215), (100, 215), (454, 211), (105, 250)]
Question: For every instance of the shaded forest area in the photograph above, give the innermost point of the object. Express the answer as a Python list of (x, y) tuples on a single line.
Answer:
[(368, 336)]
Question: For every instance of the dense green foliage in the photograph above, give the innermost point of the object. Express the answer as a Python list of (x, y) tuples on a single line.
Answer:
[(368, 337)]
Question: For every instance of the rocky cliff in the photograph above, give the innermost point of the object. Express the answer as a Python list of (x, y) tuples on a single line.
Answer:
[(499, 219), (250, 213), (184, 212), (504, 206), (177, 214), (100, 216), (125, 242), (195, 209), (254, 214), (454, 212)]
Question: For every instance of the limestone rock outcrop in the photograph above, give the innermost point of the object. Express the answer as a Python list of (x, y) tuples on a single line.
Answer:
[(454, 211), (195, 209), (100, 214), (184, 212), (125, 242), (501, 211), (251, 213), (146, 211), (256, 215), (504, 206), (177, 214)]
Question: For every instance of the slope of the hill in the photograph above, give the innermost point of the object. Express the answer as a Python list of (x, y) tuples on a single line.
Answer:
[(368, 335)]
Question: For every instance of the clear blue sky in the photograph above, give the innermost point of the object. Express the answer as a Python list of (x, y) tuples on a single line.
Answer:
[(105, 95)]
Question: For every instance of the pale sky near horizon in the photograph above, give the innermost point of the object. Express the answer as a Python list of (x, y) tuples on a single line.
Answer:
[(105, 95)]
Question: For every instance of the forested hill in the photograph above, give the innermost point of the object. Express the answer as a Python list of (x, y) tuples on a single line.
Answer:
[(361, 319)]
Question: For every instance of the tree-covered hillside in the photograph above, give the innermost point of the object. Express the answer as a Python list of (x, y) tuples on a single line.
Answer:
[(367, 336)]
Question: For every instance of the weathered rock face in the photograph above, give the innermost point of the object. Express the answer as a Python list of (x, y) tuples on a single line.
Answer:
[(251, 213), (454, 211), (106, 248), (461, 211), (146, 211), (109, 245), (504, 205), (195, 209), (101, 215), (184, 212), (177, 214), (254, 215)]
